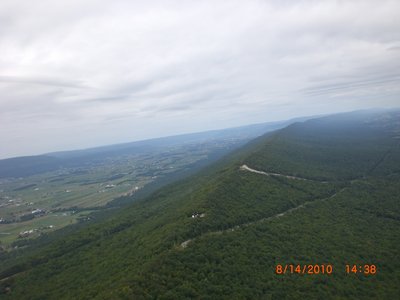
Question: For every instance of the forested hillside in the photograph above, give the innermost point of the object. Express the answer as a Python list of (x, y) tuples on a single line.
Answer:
[(320, 192)]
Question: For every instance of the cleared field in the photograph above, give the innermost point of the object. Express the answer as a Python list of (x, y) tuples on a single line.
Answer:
[(11, 232), (90, 185)]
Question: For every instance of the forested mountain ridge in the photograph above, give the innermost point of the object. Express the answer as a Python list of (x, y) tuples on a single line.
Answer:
[(339, 147), (221, 233)]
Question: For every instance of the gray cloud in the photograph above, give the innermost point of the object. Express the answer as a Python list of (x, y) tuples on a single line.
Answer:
[(352, 85), (77, 74), (43, 81)]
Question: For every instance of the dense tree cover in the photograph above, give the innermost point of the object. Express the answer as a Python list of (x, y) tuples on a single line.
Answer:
[(353, 218), (359, 226), (319, 149)]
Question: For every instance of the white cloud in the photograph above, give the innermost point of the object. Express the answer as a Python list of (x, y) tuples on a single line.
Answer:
[(110, 67)]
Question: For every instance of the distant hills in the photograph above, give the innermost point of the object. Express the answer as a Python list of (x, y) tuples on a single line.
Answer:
[(30, 165), (320, 192)]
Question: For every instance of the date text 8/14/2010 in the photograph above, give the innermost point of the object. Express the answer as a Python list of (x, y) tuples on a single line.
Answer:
[(315, 269)]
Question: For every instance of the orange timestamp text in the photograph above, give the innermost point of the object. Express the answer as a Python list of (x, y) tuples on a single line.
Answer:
[(328, 269), (311, 269)]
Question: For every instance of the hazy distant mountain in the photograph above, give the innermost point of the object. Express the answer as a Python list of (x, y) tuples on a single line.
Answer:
[(29, 165)]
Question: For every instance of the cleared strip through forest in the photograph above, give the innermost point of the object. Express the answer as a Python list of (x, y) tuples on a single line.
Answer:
[(247, 168), (290, 210)]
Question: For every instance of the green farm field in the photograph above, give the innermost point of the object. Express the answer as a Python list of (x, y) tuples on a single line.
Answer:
[(61, 197)]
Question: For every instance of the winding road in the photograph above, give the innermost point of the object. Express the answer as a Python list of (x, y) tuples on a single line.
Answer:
[(246, 168)]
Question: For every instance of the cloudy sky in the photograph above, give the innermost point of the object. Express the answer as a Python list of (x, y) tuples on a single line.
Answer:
[(75, 74)]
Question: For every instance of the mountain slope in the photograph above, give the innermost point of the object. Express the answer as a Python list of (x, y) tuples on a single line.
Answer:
[(221, 233)]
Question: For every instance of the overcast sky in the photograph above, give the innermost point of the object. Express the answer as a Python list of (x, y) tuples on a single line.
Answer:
[(75, 74)]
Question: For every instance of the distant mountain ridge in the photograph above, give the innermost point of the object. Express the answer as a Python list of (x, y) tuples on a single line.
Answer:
[(30, 165)]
